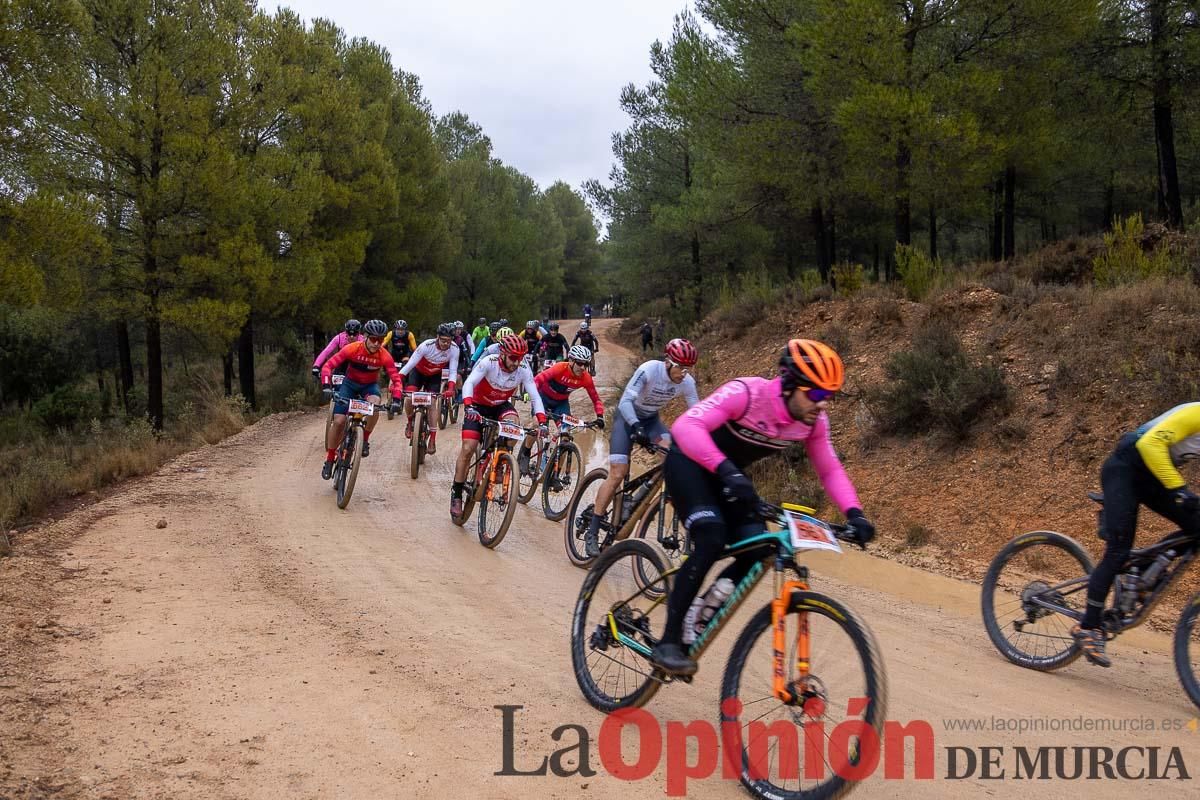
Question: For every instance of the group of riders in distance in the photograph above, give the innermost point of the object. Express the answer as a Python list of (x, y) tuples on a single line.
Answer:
[(702, 476)]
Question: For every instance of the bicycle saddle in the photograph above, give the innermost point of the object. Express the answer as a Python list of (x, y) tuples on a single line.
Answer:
[(1097, 496)]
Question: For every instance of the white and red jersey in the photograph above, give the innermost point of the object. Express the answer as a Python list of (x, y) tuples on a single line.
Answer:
[(429, 360), (490, 384)]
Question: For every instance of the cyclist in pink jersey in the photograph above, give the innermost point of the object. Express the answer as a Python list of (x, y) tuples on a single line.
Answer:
[(741, 422), (352, 333)]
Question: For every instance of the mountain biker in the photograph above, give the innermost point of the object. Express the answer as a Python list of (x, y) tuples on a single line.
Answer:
[(460, 332), (400, 342), (587, 312), (533, 341), (741, 422), (486, 345), (465, 347), (653, 385), (586, 337), (423, 373), (647, 336), (480, 331), (363, 361), (488, 393), (554, 345), (351, 333), (1142, 470), (555, 385)]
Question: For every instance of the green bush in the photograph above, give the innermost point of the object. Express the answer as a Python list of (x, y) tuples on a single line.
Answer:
[(1124, 261), (66, 407), (849, 278), (810, 282), (935, 387), (741, 305), (919, 274)]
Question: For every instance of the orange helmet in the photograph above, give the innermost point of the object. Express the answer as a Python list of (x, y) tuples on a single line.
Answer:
[(806, 362)]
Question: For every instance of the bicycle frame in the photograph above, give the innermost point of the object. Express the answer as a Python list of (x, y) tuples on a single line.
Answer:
[(484, 462)]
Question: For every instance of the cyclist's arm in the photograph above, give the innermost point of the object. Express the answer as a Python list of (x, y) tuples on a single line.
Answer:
[(387, 339), (412, 342), (589, 386), (335, 361), (535, 397), (542, 378), (689, 391), (468, 390), (692, 432), (1155, 444), (453, 367), (479, 351), (630, 394), (334, 345), (389, 364), (409, 365), (829, 467), (470, 341)]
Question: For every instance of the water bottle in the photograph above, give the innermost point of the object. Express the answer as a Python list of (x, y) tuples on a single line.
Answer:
[(1151, 575), (704, 608), (1127, 585)]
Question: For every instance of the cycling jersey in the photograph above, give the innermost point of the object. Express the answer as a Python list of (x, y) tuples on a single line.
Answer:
[(557, 383), (1168, 440), (480, 333), (430, 361), (401, 348), (650, 389), (363, 366), (748, 419), (490, 384), (485, 347), (588, 340), (335, 344), (463, 343), (554, 346)]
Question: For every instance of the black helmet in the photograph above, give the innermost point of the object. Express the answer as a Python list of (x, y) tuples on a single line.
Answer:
[(445, 329), (483, 320), (401, 325), (553, 326), (495, 326), (375, 327), (353, 326)]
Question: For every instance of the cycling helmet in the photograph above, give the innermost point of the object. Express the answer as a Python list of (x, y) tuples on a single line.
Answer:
[(805, 362), (513, 345), (503, 322), (445, 329), (682, 352), (553, 326), (506, 331), (580, 353), (458, 323), (375, 327), (533, 323), (483, 320), (583, 326), (401, 325), (494, 328), (353, 326)]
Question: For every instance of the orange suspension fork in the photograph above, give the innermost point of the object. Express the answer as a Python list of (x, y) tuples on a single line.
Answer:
[(779, 607)]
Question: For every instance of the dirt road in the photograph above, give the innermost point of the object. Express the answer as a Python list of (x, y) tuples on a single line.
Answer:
[(265, 644)]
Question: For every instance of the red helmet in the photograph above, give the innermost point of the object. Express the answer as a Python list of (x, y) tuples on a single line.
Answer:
[(514, 345), (682, 352)]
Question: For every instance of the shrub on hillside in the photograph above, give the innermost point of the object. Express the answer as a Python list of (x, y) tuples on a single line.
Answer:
[(935, 387), (1124, 260), (741, 305), (918, 272), (66, 407), (849, 279)]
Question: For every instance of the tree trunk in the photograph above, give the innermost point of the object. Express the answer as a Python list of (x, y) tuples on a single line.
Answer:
[(126, 362), (822, 242), (831, 232), (933, 243), (1010, 212), (1164, 125), (227, 364), (878, 277), (698, 275), (903, 213), (997, 221), (246, 363), (1109, 206), (154, 368), (318, 341)]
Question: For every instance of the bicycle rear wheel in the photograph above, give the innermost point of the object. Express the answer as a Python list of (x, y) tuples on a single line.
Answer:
[(844, 665), (414, 456), (351, 451), (665, 530), (579, 516), (529, 483), (615, 673), (560, 480), (1187, 649), (499, 500), (1034, 569), (443, 414)]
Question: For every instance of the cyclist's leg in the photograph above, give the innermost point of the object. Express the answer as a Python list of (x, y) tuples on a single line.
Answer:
[(472, 429), (619, 447), (346, 392), (372, 420), (1118, 479), (657, 431)]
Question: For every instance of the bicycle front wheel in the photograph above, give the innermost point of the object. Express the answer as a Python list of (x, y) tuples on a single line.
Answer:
[(579, 516), (1187, 649), (1031, 575), (843, 667), (499, 500), (560, 480), (529, 482), (351, 457), (614, 628), (414, 455)]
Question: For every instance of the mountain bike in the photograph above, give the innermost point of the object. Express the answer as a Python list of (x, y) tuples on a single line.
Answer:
[(491, 481), (422, 405), (349, 453), (629, 504), (1036, 587), (800, 660), (556, 464), (336, 379), (448, 412)]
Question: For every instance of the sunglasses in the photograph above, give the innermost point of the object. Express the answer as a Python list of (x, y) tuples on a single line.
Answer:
[(818, 395), (575, 363), (375, 339)]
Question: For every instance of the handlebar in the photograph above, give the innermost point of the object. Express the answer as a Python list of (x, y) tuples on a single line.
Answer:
[(769, 512)]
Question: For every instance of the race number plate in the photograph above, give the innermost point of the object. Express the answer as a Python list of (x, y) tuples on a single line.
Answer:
[(810, 533), (445, 374), (362, 407), (576, 422), (337, 379), (511, 430), (422, 398)]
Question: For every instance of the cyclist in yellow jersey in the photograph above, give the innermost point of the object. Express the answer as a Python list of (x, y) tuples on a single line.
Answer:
[(1142, 470)]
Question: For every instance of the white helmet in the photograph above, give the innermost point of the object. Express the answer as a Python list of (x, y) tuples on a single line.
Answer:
[(580, 353), (583, 326)]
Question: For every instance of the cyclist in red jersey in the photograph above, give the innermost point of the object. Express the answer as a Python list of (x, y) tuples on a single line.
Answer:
[(363, 361), (555, 384)]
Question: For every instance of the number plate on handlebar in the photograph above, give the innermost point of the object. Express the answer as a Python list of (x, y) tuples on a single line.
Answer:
[(511, 430), (337, 379), (810, 533), (445, 374), (575, 422), (362, 407), (422, 399)]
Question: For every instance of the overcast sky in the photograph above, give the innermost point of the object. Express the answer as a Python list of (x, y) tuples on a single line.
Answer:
[(541, 77)]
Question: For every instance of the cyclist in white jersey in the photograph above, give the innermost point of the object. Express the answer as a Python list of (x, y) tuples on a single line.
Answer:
[(652, 386)]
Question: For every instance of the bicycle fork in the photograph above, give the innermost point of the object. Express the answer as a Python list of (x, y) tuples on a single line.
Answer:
[(779, 608)]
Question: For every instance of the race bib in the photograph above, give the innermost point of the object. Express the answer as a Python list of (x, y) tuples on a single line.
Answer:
[(337, 379), (576, 422), (422, 398), (445, 374), (362, 407), (511, 430), (810, 533)]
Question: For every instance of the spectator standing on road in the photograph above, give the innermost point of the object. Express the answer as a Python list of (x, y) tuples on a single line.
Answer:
[(647, 336)]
